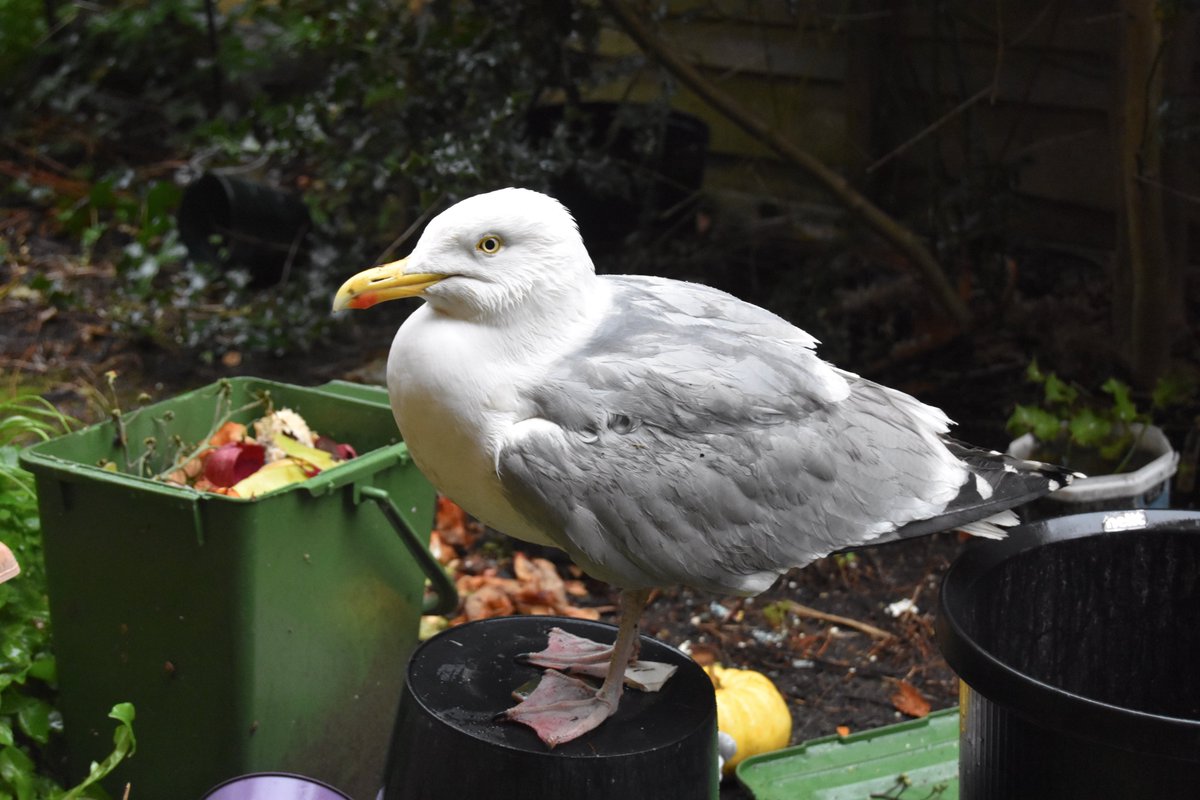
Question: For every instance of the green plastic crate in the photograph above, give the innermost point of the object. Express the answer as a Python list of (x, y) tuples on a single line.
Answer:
[(268, 634), (914, 760)]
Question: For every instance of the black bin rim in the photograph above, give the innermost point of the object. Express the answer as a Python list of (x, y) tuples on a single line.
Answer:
[(1042, 703), (584, 627)]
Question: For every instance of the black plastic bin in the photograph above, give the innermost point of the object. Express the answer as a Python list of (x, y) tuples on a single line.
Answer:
[(447, 746), (1078, 644)]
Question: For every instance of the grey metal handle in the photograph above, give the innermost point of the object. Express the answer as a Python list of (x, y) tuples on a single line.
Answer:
[(445, 599)]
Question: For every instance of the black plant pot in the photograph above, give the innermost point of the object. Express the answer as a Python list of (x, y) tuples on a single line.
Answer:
[(447, 746), (239, 224), (1078, 644)]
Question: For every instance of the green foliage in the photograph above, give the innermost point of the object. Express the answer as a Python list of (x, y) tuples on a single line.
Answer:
[(1071, 419), (27, 668), (22, 26), (29, 721), (124, 745), (372, 109), (776, 614)]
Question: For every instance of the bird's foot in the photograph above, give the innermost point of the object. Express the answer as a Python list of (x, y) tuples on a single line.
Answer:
[(562, 708), (567, 652)]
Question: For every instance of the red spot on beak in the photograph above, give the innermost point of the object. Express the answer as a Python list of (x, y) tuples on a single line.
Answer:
[(364, 300)]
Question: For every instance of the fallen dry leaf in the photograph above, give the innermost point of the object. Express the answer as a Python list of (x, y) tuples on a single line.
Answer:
[(487, 602), (440, 550), (908, 700), (453, 524), (537, 588)]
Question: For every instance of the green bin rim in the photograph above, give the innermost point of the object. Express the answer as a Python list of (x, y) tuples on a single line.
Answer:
[(353, 470), (758, 773)]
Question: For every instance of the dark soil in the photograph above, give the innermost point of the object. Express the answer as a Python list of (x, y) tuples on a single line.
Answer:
[(832, 675)]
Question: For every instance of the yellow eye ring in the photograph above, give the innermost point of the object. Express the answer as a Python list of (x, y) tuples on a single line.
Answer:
[(490, 244)]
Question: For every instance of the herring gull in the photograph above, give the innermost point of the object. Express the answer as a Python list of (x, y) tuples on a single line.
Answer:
[(660, 432)]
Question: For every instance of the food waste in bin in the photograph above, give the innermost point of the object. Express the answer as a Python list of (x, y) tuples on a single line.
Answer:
[(277, 449)]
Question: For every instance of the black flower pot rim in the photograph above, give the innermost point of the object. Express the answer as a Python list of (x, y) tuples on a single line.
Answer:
[(1043, 704)]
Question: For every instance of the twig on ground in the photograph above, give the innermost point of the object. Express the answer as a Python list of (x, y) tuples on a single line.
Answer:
[(862, 627)]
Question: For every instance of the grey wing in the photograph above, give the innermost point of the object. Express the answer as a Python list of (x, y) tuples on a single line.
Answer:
[(716, 450)]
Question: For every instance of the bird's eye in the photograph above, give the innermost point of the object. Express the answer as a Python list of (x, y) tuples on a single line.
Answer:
[(489, 245)]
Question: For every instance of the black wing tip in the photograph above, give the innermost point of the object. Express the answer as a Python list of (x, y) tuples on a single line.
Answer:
[(976, 457)]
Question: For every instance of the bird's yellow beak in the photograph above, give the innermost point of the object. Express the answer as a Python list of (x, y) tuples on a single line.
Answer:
[(386, 282)]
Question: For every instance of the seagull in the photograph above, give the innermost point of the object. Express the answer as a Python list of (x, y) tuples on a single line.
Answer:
[(660, 432)]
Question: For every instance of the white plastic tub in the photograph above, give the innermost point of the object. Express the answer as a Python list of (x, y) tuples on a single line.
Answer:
[(1147, 487)]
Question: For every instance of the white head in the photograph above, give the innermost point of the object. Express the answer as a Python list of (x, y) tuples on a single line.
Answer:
[(484, 257)]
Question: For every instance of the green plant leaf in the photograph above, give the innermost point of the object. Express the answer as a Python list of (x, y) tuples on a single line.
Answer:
[(1031, 419), (124, 745), (16, 770), (44, 668), (161, 200), (1174, 389), (1089, 429), (1033, 373), (37, 719), (1123, 405), (1059, 392)]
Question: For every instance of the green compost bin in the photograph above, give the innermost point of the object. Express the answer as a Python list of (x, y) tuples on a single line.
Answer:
[(268, 634)]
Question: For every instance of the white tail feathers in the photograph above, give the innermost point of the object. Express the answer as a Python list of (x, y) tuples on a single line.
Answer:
[(993, 527)]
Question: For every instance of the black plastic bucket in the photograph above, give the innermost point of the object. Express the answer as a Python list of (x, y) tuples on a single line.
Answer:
[(1078, 644), (659, 745), (236, 223)]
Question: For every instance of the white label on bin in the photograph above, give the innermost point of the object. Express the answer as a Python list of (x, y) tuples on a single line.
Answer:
[(1125, 521)]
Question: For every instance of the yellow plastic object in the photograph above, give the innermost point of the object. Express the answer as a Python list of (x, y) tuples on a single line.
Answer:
[(270, 477), (751, 710), (301, 452)]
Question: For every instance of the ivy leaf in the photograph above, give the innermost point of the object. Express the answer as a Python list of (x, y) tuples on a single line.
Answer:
[(1059, 391), (1089, 429), (1174, 389), (1031, 419), (1123, 405), (1033, 373)]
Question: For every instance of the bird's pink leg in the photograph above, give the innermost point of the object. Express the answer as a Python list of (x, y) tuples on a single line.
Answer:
[(562, 708)]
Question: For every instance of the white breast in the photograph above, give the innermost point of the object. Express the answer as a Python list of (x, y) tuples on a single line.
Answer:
[(456, 396)]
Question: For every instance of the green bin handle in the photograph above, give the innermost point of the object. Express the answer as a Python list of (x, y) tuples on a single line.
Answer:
[(445, 600)]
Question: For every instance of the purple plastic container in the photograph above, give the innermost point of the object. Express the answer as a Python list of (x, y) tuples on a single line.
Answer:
[(274, 786)]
